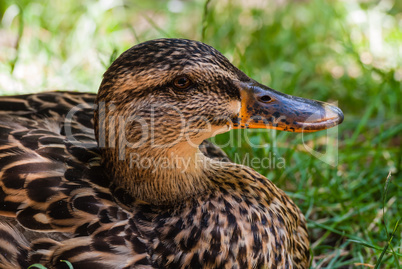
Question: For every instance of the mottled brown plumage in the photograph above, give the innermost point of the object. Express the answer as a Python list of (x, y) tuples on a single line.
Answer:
[(65, 195)]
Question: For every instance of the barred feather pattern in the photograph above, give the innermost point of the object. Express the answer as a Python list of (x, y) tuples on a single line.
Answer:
[(13, 248), (49, 184)]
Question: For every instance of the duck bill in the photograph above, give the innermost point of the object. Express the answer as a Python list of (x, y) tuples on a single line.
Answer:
[(262, 107)]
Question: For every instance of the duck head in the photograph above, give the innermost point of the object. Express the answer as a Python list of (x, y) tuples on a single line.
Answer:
[(162, 98)]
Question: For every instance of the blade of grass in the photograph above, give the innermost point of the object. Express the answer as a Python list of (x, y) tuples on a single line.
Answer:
[(392, 248), (369, 111), (204, 19), (354, 239), (70, 266), (386, 134), (21, 22), (390, 237), (155, 26), (37, 265), (378, 264)]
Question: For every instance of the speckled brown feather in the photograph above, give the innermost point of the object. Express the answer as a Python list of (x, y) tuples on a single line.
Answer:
[(67, 199)]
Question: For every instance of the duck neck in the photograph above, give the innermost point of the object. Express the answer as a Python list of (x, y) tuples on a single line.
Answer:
[(162, 176), (151, 158)]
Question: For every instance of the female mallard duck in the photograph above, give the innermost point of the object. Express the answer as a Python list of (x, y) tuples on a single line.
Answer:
[(129, 188)]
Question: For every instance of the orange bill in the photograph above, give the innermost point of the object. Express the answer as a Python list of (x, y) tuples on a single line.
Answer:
[(262, 107)]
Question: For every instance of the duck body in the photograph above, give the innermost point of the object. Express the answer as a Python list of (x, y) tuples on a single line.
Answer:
[(62, 190), (64, 197)]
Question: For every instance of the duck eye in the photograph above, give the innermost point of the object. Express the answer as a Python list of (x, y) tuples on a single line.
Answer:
[(182, 82)]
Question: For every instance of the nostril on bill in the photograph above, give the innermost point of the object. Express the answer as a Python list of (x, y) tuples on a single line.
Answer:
[(264, 99)]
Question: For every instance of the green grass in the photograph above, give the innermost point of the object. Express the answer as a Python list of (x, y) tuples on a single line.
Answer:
[(342, 51), (40, 266)]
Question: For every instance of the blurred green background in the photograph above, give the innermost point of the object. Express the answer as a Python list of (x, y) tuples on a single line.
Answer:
[(349, 52)]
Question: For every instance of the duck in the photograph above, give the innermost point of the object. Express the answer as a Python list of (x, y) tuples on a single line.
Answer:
[(126, 178)]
